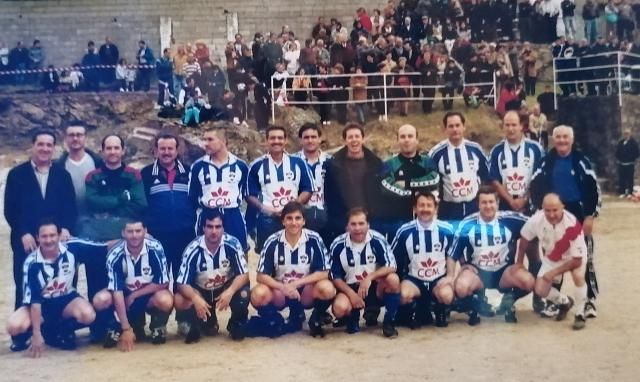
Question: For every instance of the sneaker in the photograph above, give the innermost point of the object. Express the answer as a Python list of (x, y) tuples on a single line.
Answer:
[(389, 330), (193, 335), (183, 328), (111, 339), (485, 309), (590, 309), (121, 90), (157, 107), (371, 316), (579, 322), (140, 333), (505, 304), (315, 329), (294, 324), (159, 336), (442, 318), (474, 318), (622, 196), (326, 318), (210, 327), (550, 310), (510, 316), (563, 309), (538, 304), (236, 120), (20, 345), (66, 341), (339, 322), (353, 325), (236, 331)]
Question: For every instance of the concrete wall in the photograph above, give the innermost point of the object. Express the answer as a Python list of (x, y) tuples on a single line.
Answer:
[(65, 26)]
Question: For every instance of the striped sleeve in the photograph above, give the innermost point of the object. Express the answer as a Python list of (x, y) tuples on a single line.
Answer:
[(319, 261), (27, 292), (238, 261), (189, 264), (115, 272), (337, 269), (158, 263), (384, 256), (266, 264)]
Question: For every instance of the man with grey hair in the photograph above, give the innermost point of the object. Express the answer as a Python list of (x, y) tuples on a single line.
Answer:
[(568, 173)]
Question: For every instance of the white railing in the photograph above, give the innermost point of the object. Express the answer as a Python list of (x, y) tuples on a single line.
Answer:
[(383, 87), (616, 71)]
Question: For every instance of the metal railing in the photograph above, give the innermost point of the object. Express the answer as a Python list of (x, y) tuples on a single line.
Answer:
[(386, 86), (613, 70)]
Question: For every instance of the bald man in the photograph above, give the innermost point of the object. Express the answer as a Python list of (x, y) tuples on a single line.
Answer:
[(564, 250), (403, 176), (568, 173)]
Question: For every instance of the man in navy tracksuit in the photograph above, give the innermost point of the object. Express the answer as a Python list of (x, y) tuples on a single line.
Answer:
[(169, 217)]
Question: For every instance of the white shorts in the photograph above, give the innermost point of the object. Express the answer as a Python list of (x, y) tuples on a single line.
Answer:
[(548, 265)]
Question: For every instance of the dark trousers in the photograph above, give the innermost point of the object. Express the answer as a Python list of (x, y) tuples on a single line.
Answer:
[(625, 178), (427, 104), (19, 257), (143, 80), (530, 85), (174, 243)]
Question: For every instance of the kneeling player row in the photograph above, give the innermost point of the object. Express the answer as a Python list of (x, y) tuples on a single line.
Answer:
[(360, 271)]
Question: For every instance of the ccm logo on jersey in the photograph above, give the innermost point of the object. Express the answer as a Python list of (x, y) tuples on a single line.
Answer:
[(515, 183), (219, 198), (428, 269), (462, 188), (281, 197)]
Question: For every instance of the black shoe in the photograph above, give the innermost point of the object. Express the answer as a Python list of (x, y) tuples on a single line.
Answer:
[(19, 345), (111, 339), (66, 340), (193, 335), (579, 322), (474, 319), (371, 317), (510, 316), (210, 328), (339, 322), (236, 331), (389, 330), (563, 309), (485, 309), (538, 304), (159, 336), (442, 319), (141, 335), (315, 329), (326, 318)]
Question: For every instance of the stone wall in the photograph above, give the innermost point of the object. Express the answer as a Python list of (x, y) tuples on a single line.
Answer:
[(65, 26), (598, 124)]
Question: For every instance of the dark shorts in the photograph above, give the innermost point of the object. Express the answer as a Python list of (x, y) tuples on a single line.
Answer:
[(425, 287), (455, 212), (210, 295), (52, 308), (139, 306), (491, 280), (372, 297)]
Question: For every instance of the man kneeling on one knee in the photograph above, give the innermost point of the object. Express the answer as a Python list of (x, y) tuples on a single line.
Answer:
[(138, 284), (213, 275)]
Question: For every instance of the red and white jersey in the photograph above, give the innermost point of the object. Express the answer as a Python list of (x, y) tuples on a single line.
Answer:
[(551, 235)]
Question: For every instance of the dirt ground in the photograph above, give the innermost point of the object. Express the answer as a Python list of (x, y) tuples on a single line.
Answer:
[(533, 350)]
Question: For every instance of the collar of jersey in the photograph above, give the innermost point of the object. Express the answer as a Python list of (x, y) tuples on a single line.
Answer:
[(206, 250), (303, 239), (323, 156), (421, 227), (143, 252), (231, 159), (40, 257)]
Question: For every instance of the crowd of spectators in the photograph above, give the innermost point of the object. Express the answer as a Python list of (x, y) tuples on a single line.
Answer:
[(424, 50)]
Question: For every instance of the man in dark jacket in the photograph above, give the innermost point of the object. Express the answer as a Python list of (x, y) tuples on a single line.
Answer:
[(627, 153), (109, 55), (35, 190), (91, 74), (164, 71), (569, 173), (169, 216), (351, 180), (145, 61)]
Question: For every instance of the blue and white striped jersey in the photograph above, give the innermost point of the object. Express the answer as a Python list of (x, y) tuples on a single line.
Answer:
[(278, 184), (126, 273), (421, 251), (462, 169), (208, 270), (490, 246), (211, 186), (353, 262), (318, 171), (513, 166), (44, 279), (285, 263)]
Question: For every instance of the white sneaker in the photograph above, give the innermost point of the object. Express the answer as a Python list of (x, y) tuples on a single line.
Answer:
[(549, 311), (236, 121), (621, 196), (157, 107), (121, 90), (244, 124)]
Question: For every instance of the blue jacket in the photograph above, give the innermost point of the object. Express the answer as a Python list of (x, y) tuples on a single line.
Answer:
[(164, 69), (169, 209)]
